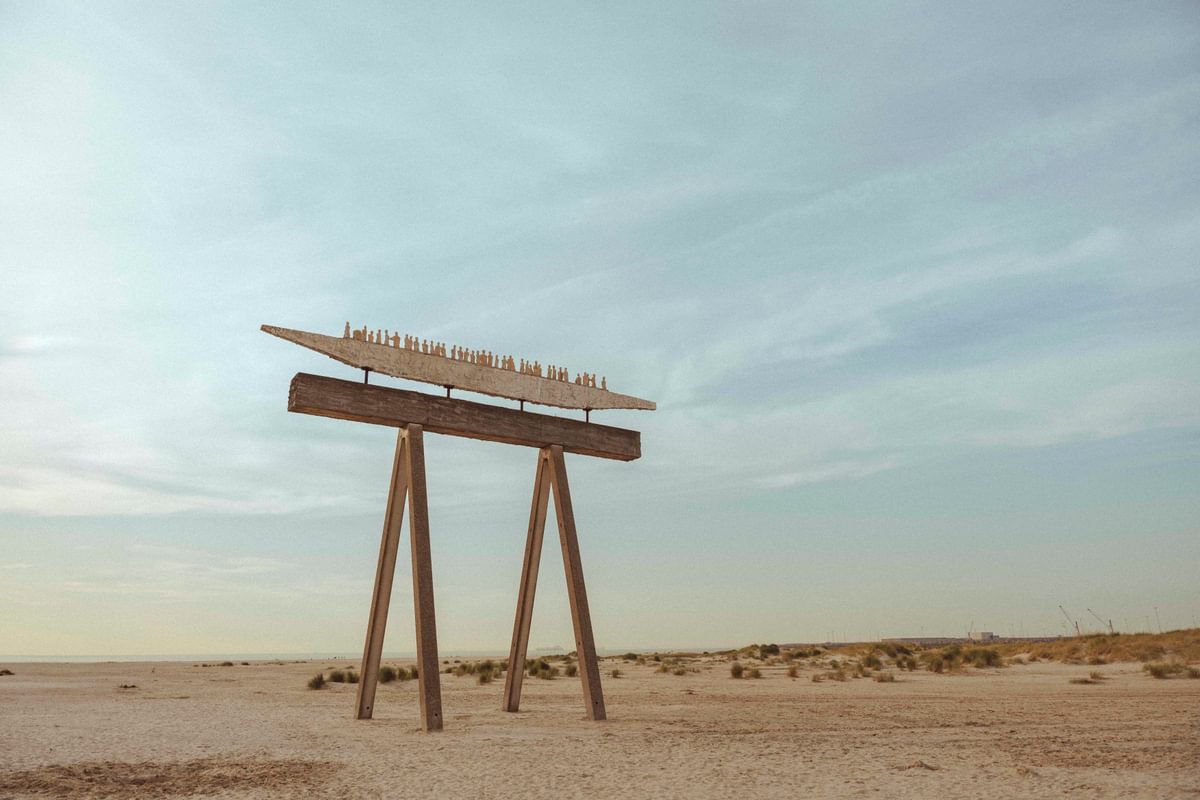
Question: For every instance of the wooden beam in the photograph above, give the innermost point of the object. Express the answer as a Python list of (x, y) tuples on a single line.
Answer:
[(585, 647), (529, 573), (381, 405), (429, 687), (381, 596)]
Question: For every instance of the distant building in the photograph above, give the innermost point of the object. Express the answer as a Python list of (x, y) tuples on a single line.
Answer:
[(981, 636)]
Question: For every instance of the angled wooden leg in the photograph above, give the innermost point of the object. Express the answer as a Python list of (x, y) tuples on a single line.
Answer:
[(529, 573), (585, 647), (382, 594), (428, 681)]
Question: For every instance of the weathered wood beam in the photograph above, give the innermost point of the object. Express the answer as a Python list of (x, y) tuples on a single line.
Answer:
[(381, 405)]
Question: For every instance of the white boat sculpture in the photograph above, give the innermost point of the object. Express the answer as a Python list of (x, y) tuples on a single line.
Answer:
[(459, 368)]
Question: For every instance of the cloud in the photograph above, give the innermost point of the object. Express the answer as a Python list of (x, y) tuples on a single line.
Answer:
[(38, 344), (836, 470)]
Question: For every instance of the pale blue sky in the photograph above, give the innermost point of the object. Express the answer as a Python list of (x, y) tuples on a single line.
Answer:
[(915, 287)]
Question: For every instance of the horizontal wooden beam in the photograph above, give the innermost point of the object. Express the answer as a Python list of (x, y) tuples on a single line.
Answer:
[(381, 405)]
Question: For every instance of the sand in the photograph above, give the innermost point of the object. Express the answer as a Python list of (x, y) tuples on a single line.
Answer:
[(68, 730)]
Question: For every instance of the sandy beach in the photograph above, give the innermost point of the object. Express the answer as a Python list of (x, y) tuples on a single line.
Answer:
[(256, 731)]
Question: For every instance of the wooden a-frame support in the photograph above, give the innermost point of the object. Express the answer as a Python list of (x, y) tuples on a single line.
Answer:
[(552, 476), (408, 481)]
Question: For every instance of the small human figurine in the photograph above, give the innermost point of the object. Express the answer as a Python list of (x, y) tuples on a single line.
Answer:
[(603, 383)]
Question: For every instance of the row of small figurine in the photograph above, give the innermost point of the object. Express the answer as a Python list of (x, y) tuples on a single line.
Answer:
[(480, 357)]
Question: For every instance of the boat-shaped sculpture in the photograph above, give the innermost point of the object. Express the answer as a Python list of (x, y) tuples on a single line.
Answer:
[(460, 368)]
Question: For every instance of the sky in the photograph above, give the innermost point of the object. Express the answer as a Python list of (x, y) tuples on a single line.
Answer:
[(915, 287)]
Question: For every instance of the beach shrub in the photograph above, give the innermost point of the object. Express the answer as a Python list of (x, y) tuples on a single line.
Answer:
[(485, 677), (885, 677), (337, 676), (1164, 669), (226, 663), (679, 671), (6, 672), (387, 674), (793, 671), (754, 672), (630, 657), (351, 677), (616, 673), (871, 661), (936, 664), (317, 681), (983, 657), (571, 669), (736, 670)]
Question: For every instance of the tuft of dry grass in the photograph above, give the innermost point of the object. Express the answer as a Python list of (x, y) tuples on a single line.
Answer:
[(1169, 669), (317, 681), (616, 673), (736, 670), (885, 677)]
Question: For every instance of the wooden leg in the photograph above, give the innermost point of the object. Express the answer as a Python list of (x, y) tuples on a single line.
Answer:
[(529, 573), (382, 594), (585, 647), (428, 681)]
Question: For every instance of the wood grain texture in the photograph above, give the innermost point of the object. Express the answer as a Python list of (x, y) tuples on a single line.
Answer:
[(385, 571), (525, 593), (380, 405), (585, 646), (429, 688)]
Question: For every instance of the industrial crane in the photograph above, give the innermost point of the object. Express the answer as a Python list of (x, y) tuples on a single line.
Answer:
[(1102, 621), (1068, 616)]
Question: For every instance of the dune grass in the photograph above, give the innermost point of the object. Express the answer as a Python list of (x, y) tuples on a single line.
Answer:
[(1183, 645)]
